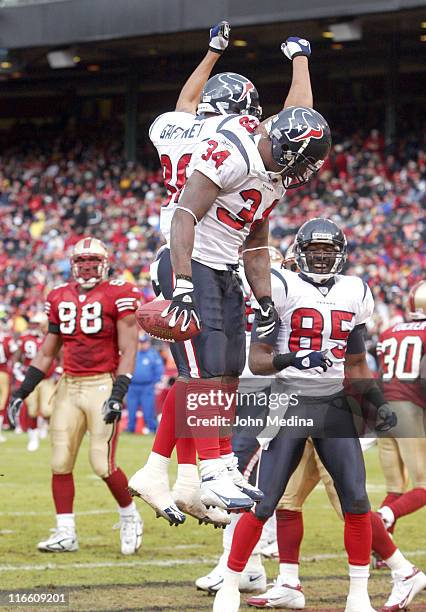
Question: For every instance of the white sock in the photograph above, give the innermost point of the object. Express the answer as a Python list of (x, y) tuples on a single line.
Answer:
[(208, 467), (269, 533), (387, 515), (398, 563), (289, 573), (128, 511), (158, 462), (358, 583), (33, 434), (228, 532), (188, 473), (231, 579), (254, 563), (1, 422), (228, 459), (65, 520)]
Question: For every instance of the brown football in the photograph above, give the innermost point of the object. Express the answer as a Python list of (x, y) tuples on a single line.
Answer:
[(150, 320)]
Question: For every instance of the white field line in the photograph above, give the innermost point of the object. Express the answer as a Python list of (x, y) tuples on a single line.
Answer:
[(158, 563), (51, 513)]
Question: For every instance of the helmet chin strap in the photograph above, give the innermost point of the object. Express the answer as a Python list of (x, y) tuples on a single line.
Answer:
[(87, 283)]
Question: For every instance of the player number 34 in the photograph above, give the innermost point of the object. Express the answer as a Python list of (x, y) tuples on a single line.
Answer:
[(90, 318)]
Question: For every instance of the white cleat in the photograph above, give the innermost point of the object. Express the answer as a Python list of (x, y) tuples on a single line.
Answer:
[(219, 490), (131, 529), (251, 581), (239, 481), (154, 489), (280, 595), (63, 539), (359, 604), (187, 499), (270, 551), (33, 440), (405, 588), (2, 437), (227, 600)]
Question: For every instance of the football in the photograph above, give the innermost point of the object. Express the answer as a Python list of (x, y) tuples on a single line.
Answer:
[(150, 320)]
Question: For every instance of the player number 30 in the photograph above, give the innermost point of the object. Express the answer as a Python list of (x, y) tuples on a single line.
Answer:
[(90, 318)]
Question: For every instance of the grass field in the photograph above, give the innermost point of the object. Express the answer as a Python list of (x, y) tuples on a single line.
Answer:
[(161, 575)]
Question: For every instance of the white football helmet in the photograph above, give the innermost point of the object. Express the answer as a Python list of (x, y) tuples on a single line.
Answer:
[(89, 262), (417, 302)]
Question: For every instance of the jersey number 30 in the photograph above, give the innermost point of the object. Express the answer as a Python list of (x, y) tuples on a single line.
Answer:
[(90, 318)]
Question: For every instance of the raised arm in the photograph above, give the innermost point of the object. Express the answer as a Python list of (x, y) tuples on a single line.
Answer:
[(191, 92)]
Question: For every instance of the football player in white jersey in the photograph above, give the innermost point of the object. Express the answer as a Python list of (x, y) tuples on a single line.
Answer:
[(320, 313), (223, 94)]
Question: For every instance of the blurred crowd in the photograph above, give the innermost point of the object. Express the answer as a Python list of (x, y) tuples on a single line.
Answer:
[(54, 190)]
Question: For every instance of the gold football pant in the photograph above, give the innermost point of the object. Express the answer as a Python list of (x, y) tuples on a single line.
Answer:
[(4, 390), (39, 401), (77, 408), (303, 481), (403, 457)]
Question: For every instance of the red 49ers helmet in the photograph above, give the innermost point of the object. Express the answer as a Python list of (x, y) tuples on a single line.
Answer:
[(89, 262), (417, 302)]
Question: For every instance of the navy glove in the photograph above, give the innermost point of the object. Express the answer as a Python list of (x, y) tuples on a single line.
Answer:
[(306, 360), (267, 319), (295, 46), (111, 410), (219, 37), (14, 409), (183, 306), (385, 418)]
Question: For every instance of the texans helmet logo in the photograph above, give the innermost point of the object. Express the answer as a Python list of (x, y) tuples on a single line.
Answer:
[(232, 82), (302, 126)]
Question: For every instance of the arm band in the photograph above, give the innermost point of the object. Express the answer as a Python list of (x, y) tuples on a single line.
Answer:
[(356, 342), (120, 386), (283, 361), (375, 396), (30, 382), (53, 328)]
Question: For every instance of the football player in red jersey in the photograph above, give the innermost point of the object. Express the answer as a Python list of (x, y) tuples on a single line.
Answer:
[(38, 402), (402, 354), (93, 319), (8, 347)]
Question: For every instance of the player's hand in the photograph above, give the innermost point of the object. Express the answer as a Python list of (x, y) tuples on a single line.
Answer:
[(305, 360), (219, 37), (295, 46), (385, 418), (111, 410), (183, 307), (14, 409), (266, 317)]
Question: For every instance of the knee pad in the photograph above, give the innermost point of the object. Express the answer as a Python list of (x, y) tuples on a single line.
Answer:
[(360, 505), (62, 461)]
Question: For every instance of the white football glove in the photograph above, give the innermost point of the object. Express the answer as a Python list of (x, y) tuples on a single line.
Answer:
[(295, 46), (219, 37)]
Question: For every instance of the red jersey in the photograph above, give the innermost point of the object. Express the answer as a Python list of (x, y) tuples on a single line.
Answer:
[(30, 344), (87, 323), (400, 351), (7, 347)]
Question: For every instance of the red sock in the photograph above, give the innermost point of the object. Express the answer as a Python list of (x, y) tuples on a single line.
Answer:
[(31, 422), (391, 497), (165, 438), (63, 492), (185, 450), (358, 537), (408, 502), (382, 542), (201, 405), (246, 535), (117, 484), (227, 411), (289, 535)]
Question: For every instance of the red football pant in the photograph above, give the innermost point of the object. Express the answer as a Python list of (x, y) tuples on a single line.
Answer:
[(358, 538)]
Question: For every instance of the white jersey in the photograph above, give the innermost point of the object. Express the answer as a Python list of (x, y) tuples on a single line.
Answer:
[(230, 158), (318, 317), (175, 135)]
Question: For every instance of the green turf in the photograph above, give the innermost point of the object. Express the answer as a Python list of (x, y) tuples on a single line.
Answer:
[(160, 577)]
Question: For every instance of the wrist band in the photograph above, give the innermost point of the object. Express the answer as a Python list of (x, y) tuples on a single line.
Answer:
[(120, 386), (283, 361), (30, 382)]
